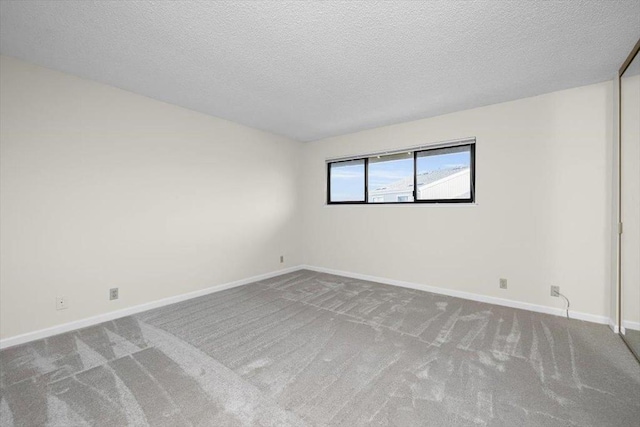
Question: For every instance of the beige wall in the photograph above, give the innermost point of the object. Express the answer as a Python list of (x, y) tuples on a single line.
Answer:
[(614, 207), (543, 211), (630, 139), (102, 188)]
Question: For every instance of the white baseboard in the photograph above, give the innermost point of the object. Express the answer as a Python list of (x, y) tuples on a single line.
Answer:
[(466, 295), (614, 327), (105, 317), (634, 326), (94, 320)]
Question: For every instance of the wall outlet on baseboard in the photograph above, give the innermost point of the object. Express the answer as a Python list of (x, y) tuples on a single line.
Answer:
[(555, 291), (61, 303), (281, 259), (503, 283), (113, 293)]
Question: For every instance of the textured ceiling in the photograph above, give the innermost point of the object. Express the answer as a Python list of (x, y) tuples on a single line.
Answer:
[(310, 70)]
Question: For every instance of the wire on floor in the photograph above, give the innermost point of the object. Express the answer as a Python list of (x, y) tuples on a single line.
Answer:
[(568, 303)]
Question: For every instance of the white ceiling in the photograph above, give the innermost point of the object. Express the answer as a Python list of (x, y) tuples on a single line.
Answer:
[(309, 70)]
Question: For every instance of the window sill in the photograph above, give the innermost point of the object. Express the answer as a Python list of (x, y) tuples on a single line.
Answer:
[(410, 204)]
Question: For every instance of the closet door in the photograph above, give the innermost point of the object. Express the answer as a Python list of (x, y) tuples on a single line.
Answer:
[(630, 203)]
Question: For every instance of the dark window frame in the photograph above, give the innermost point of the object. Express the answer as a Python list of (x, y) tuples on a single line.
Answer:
[(366, 179), (472, 177)]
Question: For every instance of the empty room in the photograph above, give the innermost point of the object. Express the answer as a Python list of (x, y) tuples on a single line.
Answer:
[(319, 213)]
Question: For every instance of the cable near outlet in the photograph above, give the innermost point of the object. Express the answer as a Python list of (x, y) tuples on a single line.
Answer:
[(568, 303)]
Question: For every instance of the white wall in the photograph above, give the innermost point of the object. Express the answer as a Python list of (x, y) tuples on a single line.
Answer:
[(630, 140), (614, 200), (543, 213), (102, 188)]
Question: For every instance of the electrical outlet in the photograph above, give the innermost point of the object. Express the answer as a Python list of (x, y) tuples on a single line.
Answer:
[(503, 283), (113, 293), (555, 291), (281, 259), (61, 303)]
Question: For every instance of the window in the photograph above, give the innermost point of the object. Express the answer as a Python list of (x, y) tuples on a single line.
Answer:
[(390, 178), (346, 181), (444, 174), (437, 174)]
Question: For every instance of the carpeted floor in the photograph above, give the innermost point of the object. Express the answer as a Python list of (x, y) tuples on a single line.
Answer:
[(314, 349)]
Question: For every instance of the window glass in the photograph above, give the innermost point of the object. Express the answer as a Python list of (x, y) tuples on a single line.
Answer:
[(347, 181), (444, 173), (391, 178)]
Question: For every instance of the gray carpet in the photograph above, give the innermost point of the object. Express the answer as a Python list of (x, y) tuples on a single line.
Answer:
[(314, 349)]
